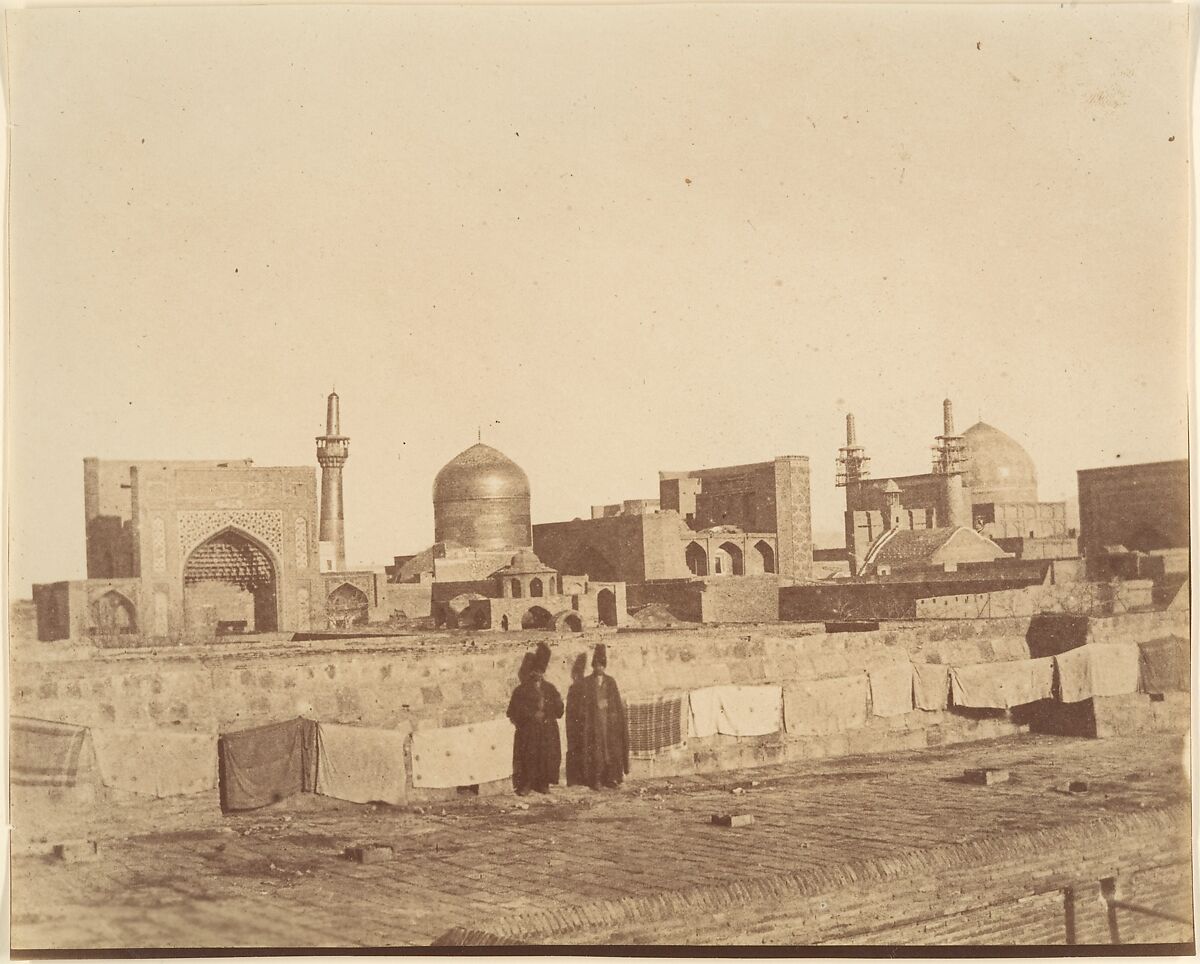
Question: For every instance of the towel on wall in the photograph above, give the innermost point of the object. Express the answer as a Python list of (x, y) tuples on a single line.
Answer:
[(891, 689), (1002, 685), (361, 764), (43, 753), (1165, 665), (159, 763), (462, 756), (267, 763), (1097, 669), (735, 710), (931, 686), (655, 725), (822, 706)]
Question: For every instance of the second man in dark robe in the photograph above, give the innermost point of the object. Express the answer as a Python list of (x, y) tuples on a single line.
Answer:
[(603, 753)]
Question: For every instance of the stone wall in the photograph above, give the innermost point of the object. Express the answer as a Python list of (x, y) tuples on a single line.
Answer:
[(445, 680)]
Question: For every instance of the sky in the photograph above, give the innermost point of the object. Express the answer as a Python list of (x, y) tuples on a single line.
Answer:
[(613, 239)]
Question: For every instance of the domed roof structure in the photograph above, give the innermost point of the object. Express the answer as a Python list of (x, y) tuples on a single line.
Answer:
[(999, 470), (481, 500)]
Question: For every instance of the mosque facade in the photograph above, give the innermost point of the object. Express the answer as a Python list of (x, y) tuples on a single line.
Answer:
[(196, 549)]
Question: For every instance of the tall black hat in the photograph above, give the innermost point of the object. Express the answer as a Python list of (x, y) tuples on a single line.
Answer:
[(541, 659), (600, 655)]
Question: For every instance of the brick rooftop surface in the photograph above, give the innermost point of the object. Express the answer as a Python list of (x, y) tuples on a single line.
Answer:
[(179, 874)]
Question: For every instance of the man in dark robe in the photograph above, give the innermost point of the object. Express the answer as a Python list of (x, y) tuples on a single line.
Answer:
[(604, 750), (534, 710), (575, 721)]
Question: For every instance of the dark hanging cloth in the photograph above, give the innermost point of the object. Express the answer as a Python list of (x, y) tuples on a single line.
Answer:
[(266, 764), (603, 733), (1164, 665), (534, 710)]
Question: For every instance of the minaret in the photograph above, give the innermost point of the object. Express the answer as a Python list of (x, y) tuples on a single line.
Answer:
[(950, 462), (851, 471), (852, 458), (333, 449)]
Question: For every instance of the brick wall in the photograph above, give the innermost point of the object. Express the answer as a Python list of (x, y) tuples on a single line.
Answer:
[(741, 599), (1100, 598)]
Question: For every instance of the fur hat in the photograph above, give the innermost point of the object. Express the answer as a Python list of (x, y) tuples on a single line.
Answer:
[(600, 655), (541, 659)]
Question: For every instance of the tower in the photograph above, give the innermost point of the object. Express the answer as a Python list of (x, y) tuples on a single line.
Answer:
[(333, 449), (852, 458), (950, 463)]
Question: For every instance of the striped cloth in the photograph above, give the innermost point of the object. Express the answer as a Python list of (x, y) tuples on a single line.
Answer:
[(655, 725), (45, 754)]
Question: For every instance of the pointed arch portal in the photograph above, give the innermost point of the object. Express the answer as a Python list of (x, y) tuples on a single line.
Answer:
[(230, 578)]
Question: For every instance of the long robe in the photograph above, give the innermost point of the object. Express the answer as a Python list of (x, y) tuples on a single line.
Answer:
[(603, 753), (537, 754)]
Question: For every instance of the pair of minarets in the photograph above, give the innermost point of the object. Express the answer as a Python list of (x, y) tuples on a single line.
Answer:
[(333, 448), (949, 461)]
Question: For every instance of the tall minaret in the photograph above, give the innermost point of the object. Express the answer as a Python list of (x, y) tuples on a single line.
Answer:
[(950, 462), (852, 458), (333, 449)]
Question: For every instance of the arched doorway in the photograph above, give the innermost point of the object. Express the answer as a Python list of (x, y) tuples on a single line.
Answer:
[(766, 555), (697, 559), (729, 560), (230, 579), (347, 606), (537, 618), (606, 607), (535, 586), (569, 622), (113, 615)]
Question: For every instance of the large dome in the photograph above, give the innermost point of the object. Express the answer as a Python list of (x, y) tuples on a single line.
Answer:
[(481, 499), (999, 470)]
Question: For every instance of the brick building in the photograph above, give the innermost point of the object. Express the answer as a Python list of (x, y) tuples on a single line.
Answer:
[(740, 520), (1126, 509)]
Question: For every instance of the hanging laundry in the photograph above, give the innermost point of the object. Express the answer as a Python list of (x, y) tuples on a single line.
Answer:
[(1097, 669), (1165, 666), (462, 756), (361, 764), (931, 686), (822, 706), (158, 763), (655, 725), (45, 754), (891, 689), (735, 710), (1002, 685), (266, 764)]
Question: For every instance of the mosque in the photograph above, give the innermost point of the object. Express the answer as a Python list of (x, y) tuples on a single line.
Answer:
[(978, 504), (482, 571), (201, 549)]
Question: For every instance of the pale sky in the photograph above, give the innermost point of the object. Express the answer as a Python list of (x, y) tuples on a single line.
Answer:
[(622, 239)]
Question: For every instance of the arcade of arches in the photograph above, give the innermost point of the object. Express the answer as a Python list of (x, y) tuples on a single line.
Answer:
[(728, 559), (230, 579)]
